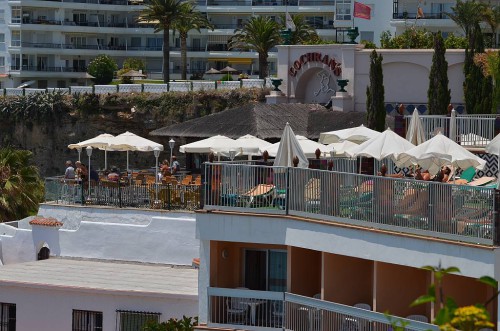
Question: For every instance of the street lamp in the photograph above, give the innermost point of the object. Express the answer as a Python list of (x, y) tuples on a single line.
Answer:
[(156, 151), (89, 153), (232, 154), (79, 149), (171, 144)]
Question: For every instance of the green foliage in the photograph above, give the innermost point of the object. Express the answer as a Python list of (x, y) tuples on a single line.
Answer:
[(36, 107), (438, 93), (368, 44), (173, 324), (375, 94), (303, 33), (261, 34), (193, 20), (227, 77), (21, 188), (319, 41), (396, 323), (385, 39), (133, 63), (102, 68), (478, 89), (455, 42), (165, 14), (446, 305)]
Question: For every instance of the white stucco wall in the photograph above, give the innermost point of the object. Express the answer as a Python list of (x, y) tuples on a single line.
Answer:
[(127, 235), (51, 310), (406, 73)]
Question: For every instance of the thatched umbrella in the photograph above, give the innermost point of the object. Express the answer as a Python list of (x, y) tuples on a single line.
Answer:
[(212, 71), (133, 74), (228, 70)]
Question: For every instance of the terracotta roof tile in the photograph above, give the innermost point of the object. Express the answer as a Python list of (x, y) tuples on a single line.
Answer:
[(46, 221)]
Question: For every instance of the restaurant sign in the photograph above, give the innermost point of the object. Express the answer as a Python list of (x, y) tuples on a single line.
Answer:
[(334, 66)]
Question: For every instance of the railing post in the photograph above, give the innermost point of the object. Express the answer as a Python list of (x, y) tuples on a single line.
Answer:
[(287, 195), (82, 189), (496, 219), (203, 183), (119, 195), (93, 89)]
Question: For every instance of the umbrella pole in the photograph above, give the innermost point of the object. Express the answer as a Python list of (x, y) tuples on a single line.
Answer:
[(127, 161), (105, 158)]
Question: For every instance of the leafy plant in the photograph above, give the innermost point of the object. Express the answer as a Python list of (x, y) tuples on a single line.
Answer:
[(396, 323), (102, 68), (375, 108), (173, 324), (438, 93)]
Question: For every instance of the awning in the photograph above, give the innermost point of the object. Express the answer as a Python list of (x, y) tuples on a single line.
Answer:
[(218, 39), (233, 60)]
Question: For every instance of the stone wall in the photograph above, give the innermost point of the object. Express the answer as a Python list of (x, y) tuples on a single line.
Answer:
[(49, 141)]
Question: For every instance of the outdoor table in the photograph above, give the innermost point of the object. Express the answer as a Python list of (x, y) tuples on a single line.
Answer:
[(252, 303)]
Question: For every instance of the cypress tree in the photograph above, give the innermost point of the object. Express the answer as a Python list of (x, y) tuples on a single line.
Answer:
[(375, 94), (438, 94), (477, 88)]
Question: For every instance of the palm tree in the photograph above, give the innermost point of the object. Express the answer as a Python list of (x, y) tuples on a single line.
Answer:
[(163, 14), (260, 34), (193, 20), (303, 30), (21, 189), (467, 14), (492, 18)]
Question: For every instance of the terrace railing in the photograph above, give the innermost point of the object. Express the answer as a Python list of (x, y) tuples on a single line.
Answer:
[(121, 195), (472, 130), (263, 310), (183, 86), (454, 212)]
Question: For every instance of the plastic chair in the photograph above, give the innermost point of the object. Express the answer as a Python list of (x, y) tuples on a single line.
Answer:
[(278, 313), (237, 311)]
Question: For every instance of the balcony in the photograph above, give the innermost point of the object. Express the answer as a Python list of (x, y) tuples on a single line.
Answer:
[(92, 47), (89, 24), (459, 213), (265, 3), (427, 16), (257, 310), (48, 69)]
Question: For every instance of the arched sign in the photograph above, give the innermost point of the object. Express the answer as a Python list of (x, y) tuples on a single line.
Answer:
[(334, 66)]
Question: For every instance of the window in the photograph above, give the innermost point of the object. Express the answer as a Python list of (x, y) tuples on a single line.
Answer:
[(16, 15), (2, 16), (134, 320), (84, 320), (343, 10), (15, 62), (366, 35), (265, 270), (2, 37), (7, 317), (15, 38)]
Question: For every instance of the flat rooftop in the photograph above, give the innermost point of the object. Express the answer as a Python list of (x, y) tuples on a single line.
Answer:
[(126, 278)]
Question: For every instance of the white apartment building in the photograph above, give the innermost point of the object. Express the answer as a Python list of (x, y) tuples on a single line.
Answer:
[(50, 43)]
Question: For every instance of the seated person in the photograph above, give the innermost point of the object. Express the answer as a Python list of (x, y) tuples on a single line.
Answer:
[(94, 176), (383, 173), (81, 171), (443, 175), (114, 175), (165, 169)]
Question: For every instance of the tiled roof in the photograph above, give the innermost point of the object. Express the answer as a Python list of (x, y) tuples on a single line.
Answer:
[(46, 221)]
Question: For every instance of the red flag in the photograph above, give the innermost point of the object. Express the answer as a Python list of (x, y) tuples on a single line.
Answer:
[(362, 10)]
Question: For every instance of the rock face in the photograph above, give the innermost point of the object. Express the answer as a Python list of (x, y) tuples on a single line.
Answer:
[(49, 141)]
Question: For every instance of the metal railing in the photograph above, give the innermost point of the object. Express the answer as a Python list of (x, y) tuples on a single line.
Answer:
[(454, 212), (472, 130), (257, 310), (123, 194)]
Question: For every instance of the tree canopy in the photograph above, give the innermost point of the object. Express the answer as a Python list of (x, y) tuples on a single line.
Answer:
[(102, 68)]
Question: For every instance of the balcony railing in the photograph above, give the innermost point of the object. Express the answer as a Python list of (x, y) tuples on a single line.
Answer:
[(257, 310), (132, 24), (123, 194), (453, 212), (95, 47), (472, 131), (49, 69), (257, 3), (427, 16)]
